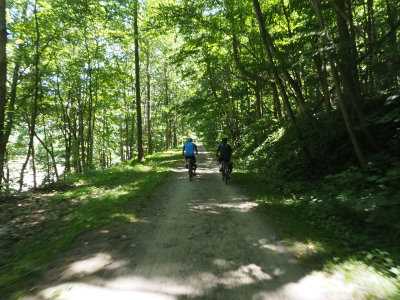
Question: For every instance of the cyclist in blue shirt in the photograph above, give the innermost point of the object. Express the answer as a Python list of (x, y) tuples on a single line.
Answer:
[(190, 148)]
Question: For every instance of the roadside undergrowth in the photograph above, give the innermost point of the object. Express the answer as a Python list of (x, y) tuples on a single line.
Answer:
[(339, 245), (36, 226)]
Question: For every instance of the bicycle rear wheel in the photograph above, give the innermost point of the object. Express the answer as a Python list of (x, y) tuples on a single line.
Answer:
[(190, 165)]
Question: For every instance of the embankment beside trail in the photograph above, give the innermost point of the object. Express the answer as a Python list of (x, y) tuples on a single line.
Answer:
[(37, 226)]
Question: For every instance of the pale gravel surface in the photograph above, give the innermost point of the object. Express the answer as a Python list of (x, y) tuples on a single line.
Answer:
[(199, 240)]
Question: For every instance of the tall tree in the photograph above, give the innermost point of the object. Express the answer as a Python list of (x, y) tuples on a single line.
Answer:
[(137, 84), (31, 121), (3, 83), (149, 124)]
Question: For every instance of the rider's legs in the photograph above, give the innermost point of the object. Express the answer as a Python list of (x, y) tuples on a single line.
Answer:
[(220, 163), (228, 160), (193, 159)]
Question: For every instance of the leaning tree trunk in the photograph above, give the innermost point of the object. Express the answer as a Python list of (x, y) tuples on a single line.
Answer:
[(269, 47), (343, 107), (266, 42)]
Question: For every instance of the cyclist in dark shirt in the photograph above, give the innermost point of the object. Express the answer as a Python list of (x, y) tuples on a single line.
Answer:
[(224, 153)]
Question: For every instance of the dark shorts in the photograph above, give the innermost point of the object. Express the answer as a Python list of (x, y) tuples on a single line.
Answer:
[(221, 159), (192, 157)]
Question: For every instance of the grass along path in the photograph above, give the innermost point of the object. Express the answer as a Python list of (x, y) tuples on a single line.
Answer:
[(338, 245), (37, 226), (40, 226)]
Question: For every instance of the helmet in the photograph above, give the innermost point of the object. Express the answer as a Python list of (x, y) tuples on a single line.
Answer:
[(189, 139), (224, 140)]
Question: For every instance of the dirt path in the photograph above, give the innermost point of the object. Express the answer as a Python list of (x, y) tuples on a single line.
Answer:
[(200, 240)]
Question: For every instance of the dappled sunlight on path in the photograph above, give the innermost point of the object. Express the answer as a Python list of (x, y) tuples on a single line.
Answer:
[(199, 240)]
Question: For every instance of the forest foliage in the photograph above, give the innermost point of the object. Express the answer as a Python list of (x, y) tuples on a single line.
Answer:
[(70, 99), (305, 90)]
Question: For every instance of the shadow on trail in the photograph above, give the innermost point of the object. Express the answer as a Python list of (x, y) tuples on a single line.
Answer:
[(42, 227), (102, 264), (196, 240)]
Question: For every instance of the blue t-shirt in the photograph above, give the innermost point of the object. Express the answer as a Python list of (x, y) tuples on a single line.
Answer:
[(189, 148)]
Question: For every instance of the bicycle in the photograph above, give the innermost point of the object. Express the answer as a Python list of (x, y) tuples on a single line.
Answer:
[(191, 170), (225, 172)]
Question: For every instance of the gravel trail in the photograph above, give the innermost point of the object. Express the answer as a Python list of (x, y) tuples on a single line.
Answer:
[(199, 240)]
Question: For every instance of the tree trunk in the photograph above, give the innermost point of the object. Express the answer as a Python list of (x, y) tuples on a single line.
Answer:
[(258, 103), (32, 123), (277, 103), (65, 124), (137, 85), (175, 131), (268, 46), (81, 137), (347, 62), (168, 121), (278, 80), (49, 151), (286, 13), (3, 83), (4, 138), (29, 153), (34, 167), (370, 45), (391, 19), (132, 139), (7, 177), (323, 78), (22, 172), (354, 51), (89, 143), (127, 122), (343, 107), (75, 142), (68, 144), (149, 129)]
